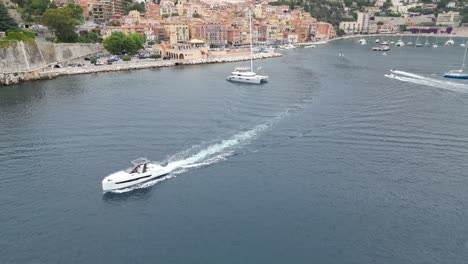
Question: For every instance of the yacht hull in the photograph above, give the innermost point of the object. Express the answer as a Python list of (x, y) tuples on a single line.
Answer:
[(131, 180), (456, 76), (244, 79)]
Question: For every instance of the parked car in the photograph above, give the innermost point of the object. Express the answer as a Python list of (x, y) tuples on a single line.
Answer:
[(166, 58), (87, 58)]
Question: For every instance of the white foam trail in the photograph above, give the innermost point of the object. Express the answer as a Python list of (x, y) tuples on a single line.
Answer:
[(455, 87), (409, 74), (211, 154)]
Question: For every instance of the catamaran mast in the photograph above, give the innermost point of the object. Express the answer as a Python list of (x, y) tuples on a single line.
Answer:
[(251, 48)]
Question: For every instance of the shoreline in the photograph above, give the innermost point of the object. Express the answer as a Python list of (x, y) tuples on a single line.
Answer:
[(396, 35), (7, 79)]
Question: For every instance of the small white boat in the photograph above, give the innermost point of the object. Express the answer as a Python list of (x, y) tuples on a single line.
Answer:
[(390, 75), (462, 45), (410, 43), (363, 41), (381, 48), (435, 46), (142, 170), (449, 42), (377, 41), (310, 46), (400, 43), (385, 43)]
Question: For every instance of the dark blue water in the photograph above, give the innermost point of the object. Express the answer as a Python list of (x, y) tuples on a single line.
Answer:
[(330, 162)]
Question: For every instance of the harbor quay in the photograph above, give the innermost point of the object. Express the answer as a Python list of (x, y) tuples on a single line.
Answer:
[(14, 78)]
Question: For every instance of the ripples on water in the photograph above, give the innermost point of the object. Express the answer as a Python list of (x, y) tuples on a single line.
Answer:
[(330, 161)]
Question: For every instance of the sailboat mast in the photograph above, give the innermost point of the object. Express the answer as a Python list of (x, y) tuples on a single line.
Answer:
[(251, 47), (464, 57)]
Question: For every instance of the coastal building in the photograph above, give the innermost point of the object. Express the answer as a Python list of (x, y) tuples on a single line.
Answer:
[(103, 10), (363, 21), (215, 34), (350, 27), (324, 31), (193, 49), (448, 19), (178, 31)]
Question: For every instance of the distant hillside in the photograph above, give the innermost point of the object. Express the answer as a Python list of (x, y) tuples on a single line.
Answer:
[(331, 11)]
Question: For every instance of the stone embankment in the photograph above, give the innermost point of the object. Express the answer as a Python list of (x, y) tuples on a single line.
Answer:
[(13, 78)]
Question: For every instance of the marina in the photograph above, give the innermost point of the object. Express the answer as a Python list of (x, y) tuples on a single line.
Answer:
[(342, 163)]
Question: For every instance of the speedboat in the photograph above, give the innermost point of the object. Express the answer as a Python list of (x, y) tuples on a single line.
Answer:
[(456, 74), (246, 75), (377, 41), (390, 75), (449, 42), (142, 170), (363, 41), (385, 43)]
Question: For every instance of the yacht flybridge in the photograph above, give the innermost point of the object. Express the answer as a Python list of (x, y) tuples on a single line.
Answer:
[(142, 170), (246, 74)]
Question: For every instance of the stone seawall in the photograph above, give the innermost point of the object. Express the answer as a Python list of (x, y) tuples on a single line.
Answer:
[(21, 57), (13, 78)]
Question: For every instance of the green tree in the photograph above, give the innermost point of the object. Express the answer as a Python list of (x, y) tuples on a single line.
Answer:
[(88, 37), (138, 41), (115, 43), (6, 21), (140, 7), (380, 23), (75, 11), (340, 32), (196, 15), (61, 23), (118, 43)]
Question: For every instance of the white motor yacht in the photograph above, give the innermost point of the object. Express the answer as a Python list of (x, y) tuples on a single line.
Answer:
[(142, 170)]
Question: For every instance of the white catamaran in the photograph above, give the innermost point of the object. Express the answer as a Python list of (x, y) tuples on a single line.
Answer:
[(246, 74)]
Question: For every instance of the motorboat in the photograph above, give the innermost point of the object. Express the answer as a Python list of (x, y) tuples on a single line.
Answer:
[(377, 41), (418, 45), (390, 75), (381, 48), (435, 46), (458, 74), (400, 43), (410, 43), (310, 46), (449, 42), (142, 170), (246, 74), (384, 43), (363, 41), (462, 45)]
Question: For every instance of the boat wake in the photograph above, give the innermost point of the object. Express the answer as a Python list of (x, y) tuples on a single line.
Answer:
[(204, 155), (422, 80)]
